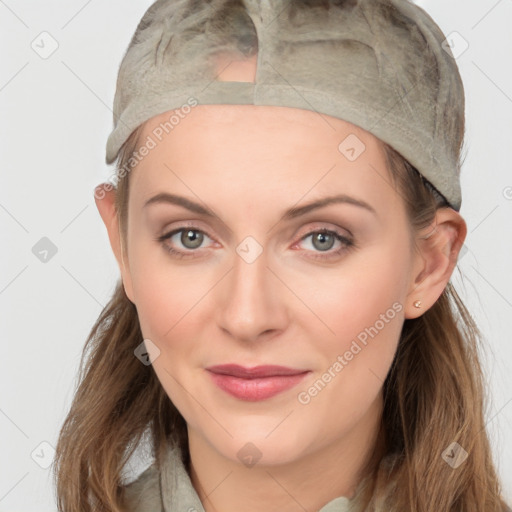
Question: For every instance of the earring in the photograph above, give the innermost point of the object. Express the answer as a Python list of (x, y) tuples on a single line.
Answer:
[(417, 303)]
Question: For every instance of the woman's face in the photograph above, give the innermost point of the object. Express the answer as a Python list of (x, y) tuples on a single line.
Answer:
[(257, 283)]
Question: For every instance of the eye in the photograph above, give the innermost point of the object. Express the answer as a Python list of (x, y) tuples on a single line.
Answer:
[(189, 237), (323, 240)]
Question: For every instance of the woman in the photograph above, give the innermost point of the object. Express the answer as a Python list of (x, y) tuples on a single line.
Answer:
[(271, 372)]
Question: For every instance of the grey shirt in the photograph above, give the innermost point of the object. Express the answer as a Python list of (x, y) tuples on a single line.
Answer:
[(172, 490)]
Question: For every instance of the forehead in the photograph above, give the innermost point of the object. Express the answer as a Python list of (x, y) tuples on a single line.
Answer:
[(267, 117), (257, 149), (235, 129)]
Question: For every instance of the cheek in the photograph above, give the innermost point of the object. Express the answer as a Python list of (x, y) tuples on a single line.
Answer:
[(367, 291), (363, 310), (166, 293), (168, 298), (365, 320)]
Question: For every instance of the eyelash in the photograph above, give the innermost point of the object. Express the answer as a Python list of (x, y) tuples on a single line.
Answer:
[(347, 243)]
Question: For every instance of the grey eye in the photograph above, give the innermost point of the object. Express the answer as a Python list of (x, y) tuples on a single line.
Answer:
[(191, 238), (323, 241)]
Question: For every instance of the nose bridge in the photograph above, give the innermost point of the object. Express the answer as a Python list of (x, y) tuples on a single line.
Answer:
[(252, 302)]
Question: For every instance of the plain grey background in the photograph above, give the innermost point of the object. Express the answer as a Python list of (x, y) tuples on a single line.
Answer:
[(55, 119)]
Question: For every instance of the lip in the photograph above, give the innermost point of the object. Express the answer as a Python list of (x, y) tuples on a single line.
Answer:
[(256, 383), (244, 372)]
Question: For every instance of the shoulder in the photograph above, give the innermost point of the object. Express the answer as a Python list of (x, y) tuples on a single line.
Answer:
[(144, 493)]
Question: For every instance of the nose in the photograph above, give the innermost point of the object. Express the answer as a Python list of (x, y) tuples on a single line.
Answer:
[(252, 301)]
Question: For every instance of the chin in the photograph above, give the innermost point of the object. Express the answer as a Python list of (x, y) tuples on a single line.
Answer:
[(260, 444)]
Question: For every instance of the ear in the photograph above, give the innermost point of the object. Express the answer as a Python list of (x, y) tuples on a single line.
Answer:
[(105, 196), (438, 248)]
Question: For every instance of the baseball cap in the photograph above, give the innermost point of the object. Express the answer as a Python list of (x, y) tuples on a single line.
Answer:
[(383, 65)]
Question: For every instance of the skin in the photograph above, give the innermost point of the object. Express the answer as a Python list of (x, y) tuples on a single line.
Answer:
[(249, 164)]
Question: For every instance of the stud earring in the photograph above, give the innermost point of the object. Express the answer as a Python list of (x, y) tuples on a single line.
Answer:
[(417, 303)]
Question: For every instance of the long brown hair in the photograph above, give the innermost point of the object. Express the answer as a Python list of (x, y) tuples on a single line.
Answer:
[(434, 395)]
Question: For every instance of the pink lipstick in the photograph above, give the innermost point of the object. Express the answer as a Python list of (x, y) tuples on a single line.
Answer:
[(256, 383)]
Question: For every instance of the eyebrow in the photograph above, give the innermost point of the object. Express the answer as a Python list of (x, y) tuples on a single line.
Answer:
[(291, 213)]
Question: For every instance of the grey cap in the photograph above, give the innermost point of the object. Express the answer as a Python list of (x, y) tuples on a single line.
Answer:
[(383, 65)]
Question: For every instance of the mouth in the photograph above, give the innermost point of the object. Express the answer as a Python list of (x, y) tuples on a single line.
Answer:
[(256, 383)]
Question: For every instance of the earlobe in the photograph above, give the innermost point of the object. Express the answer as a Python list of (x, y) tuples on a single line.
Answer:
[(438, 250), (105, 197)]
